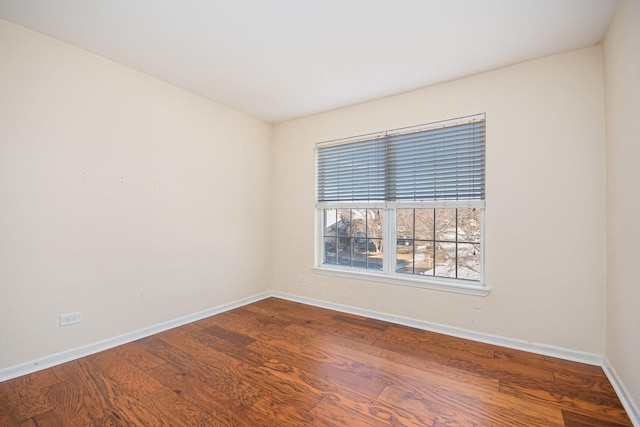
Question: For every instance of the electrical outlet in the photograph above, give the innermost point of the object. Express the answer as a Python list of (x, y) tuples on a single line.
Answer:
[(302, 278), (70, 319)]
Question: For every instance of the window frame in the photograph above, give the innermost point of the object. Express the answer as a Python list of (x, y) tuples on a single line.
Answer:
[(388, 274)]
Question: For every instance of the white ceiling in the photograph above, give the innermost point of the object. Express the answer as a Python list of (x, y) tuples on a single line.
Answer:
[(283, 59)]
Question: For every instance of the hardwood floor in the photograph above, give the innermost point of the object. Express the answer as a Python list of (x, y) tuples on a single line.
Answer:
[(280, 363)]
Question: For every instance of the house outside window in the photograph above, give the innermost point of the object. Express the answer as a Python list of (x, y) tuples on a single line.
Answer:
[(405, 206)]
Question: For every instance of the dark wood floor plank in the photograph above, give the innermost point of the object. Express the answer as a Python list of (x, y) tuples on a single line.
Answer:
[(228, 369), (596, 383), (206, 365), (376, 413), (201, 393), (271, 410), (130, 378), (495, 368), (334, 410), (205, 342), (235, 338), (571, 366), (314, 318), (364, 372), (277, 389), (452, 407), (92, 395), (557, 366), (418, 338), (431, 345), (111, 420), (286, 364), (48, 419), (606, 408), (174, 409), (408, 363), (240, 320), (20, 398), (124, 406), (273, 389), (349, 398), (75, 405), (571, 419), (413, 349), (252, 383), (457, 347), (358, 376), (416, 402), (138, 356), (362, 322), (6, 416)]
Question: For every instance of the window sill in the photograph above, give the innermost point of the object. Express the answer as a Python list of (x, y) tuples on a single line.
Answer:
[(439, 284)]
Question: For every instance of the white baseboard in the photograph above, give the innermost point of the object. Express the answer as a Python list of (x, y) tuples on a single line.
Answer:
[(86, 350), (629, 404), (561, 353)]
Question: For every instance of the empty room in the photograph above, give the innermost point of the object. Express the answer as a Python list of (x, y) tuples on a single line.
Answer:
[(337, 213)]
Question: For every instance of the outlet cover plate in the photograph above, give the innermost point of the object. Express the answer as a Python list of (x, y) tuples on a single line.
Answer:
[(70, 318)]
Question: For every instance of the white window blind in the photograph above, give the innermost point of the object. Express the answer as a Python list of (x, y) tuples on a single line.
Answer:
[(352, 171), (439, 161)]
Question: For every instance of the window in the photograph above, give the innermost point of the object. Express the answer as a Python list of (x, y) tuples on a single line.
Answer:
[(405, 205)]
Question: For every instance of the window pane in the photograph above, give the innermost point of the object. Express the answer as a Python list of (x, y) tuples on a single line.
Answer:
[(424, 224), (423, 258), (468, 261), (359, 238), (374, 239), (330, 236), (344, 256), (374, 223), (343, 227), (404, 256), (374, 255), (359, 222), (416, 258), (404, 226), (445, 225), (445, 260), (469, 225), (343, 223)]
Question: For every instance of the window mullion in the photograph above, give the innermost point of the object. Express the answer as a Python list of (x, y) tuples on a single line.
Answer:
[(389, 239)]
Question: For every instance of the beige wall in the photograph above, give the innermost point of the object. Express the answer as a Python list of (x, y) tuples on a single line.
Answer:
[(121, 196), (622, 82), (545, 214)]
